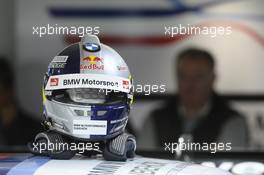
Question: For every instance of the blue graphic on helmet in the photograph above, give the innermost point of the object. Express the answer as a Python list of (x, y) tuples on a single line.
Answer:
[(115, 115)]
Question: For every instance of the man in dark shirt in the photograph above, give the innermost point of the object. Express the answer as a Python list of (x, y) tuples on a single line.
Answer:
[(17, 128), (197, 110)]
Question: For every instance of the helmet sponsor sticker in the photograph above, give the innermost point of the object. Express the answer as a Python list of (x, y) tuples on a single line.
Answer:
[(58, 62), (91, 47), (125, 84), (60, 59), (100, 81), (54, 81), (121, 68), (89, 127), (57, 65), (92, 63), (47, 93)]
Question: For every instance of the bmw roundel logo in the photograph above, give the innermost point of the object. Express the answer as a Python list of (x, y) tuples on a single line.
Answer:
[(92, 47)]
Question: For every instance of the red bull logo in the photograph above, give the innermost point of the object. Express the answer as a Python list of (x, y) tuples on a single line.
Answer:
[(92, 63)]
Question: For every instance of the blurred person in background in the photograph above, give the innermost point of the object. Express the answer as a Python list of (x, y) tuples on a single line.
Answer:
[(197, 111), (17, 127)]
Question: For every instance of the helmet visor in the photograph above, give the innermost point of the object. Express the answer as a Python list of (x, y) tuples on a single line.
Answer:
[(88, 96)]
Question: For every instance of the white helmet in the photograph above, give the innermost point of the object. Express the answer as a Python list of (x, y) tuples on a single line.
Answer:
[(87, 91)]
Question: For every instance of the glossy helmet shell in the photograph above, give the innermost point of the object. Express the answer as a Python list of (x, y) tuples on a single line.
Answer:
[(72, 93)]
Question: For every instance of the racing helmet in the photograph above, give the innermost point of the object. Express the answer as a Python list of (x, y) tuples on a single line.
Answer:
[(87, 91)]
